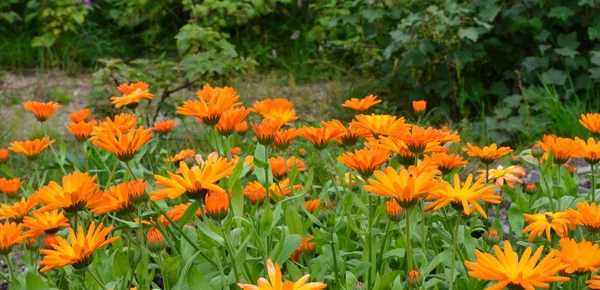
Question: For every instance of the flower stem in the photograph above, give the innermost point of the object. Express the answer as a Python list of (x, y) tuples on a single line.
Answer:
[(54, 152), (221, 270), (454, 247), (130, 171), (370, 244), (593, 185), (10, 268), (98, 281), (231, 256), (335, 265), (487, 180), (112, 173), (559, 181), (383, 246), (409, 252), (550, 199), (160, 265)]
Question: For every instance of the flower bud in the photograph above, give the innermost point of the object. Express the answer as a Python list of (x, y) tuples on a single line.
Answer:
[(393, 210), (30, 243), (155, 240), (49, 240), (537, 151), (491, 237), (515, 160), (217, 205), (414, 279), (530, 188)]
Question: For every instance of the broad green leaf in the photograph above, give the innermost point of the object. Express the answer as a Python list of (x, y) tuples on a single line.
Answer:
[(290, 244), (34, 281)]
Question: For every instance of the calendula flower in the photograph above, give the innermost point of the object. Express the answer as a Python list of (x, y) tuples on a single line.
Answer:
[(419, 106), (44, 222), (76, 191), (446, 162), (283, 138), (491, 236), (383, 125), (312, 205), (155, 240), (276, 282), (283, 188), (365, 161), (136, 189), (591, 122), (546, 222), (79, 251), (82, 115), (420, 140), (590, 150), (82, 130), (392, 144), (195, 182), (42, 111), (229, 119), (176, 213), (3, 155), (18, 210), (124, 146), (10, 234), (351, 134), (407, 187), (465, 198), (212, 104), (49, 240), (217, 204), (266, 105), (10, 187), (255, 192), (306, 246), (180, 156), (513, 272), (320, 137), (209, 93), (120, 123), (414, 279), (448, 136), (279, 168), (241, 128), (30, 244), (116, 199), (164, 127), (266, 131), (393, 210), (285, 116), (561, 148), (531, 188), (500, 175), (361, 105), (132, 95), (31, 149), (586, 215), (487, 154), (581, 258)]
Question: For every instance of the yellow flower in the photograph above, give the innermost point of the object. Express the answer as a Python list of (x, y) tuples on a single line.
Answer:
[(546, 222), (465, 198), (500, 175), (407, 187), (275, 281), (361, 105)]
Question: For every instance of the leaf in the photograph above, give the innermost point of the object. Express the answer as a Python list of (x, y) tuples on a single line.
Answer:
[(293, 221), (532, 63), (237, 199), (441, 257), (568, 40), (170, 268), (188, 215), (516, 219), (120, 264), (567, 52), (34, 281), (489, 12), (554, 77), (563, 13), (195, 279), (290, 244), (212, 235), (540, 202), (471, 33)]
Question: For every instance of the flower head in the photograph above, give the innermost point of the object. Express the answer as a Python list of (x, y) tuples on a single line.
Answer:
[(280, 167), (212, 104), (587, 215), (123, 145), (275, 281), (561, 148), (42, 111), (381, 124), (164, 127), (465, 198), (590, 151), (180, 156), (82, 115), (217, 204), (446, 162), (591, 122), (351, 134), (136, 189), (229, 119), (76, 191), (393, 210), (283, 138), (282, 188), (10, 187), (31, 149), (365, 161), (44, 222), (255, 192), (265, 106), (155, 240), (116, 199), (82, 130), (491, 236), (120, 123), (407, 187), (285, 116), (132, 94), (320, 137), (10, 234), (581, 258), (420, 140), (546, 222), (3, 155), (500, 175), (487, 154), (18, 210), (241, 128), (361, 105), (419, 106)]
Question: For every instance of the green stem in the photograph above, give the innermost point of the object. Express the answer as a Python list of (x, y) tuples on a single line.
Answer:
[(454, 247), (60, 164), (423, 256), (10, 269), (227, 147), (335, 265), (379, 260), (548, 193), (220, 267), (370, 244), (130, 171), (559, 181), (98, 281), (593, 185), (231, 256), (112, 173), (409, 252), (487, 181), (160, 264)]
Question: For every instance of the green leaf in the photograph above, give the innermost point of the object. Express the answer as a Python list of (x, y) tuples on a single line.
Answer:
[(63, 152), (170, 269), (290, 244), (293, 221), (516, 219), (237, 199), (568, 40), (441, 257), (563, 13), (489, 12), (554, 77), (533, 62), (120, 264), (212, 235), (471, 33), (566, 52), (188, 215), (34, 281)]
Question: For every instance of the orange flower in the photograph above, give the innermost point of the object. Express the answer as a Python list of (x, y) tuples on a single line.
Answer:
[(116, 198), (182, 155), (10, 187), (10, 234), (44, 222), (446, 162), (351, 134), (365, 161), (42, 111), (266, 105), (255, 192), (420, 140), (133, 94), (277, 283), (561, 148), (3, 155), (306, 246), (124, 146), (590, 150), (164, 127), (283, 138), (361, 105), (419, 106), (212, 104), (487, 154), (500, 175), (546, 222), (79, 251), (591, 122), (241, 128), (448, 137), (280, 167), (31, 149), (281, 115), (82, 130), (174, 214), (195, 182), (491, 236), (581, 258), (82, 115), (136, 189), (283, 188), (311, 205), (266, 131), (594, 283), (381, 124), (464, 198), (301, 151), (76, 191), (120, 123), (217, 204), (407, 187), (393, 210), (18, 210), (320, 137), (587, 215), (155, 240), (229, 119)]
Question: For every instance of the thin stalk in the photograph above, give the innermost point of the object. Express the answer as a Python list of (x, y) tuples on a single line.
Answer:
[(379, 260), (593, 185), (160, 264), (10, 269), (454, 247), (337, 191), (559, 181), (130, 171), (409, 252), (227, 147), (98, 281), (335, 265), (87, 164), (550, 199), (112, 173), (487, 180), (231, 257), (370, 243), (220, 267), (54, 152)]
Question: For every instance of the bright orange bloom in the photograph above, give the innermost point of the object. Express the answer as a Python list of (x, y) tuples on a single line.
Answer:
[(590, 151), (546, 222), (195, 182), (174, 214), (320, 137), (283, 188), (365, 161), (136, 189), (266, 131), (10, 234), (594, 283), (591, 122), (229, 119), (514, 273), (420, 140), (407, 187), (120, 123), (581, 258), (361, 105), (419, 106), (281, 115), (241, 128), (255, 192), (42, 111), (266, 105), (44, 222), (133, 94), (79, 251), (82, 115), (587, 215), (446, 162), (305, 246), (384, 125), (31, 149), (510, 175), (124, 146), (212, 104), (76, 191), (18, 210), (82, 130), (182, 155), (276, 282), (116, 198), (10, 187), (464, 198), (487, 154), (448, 137), (311, 205), (561, 148), (351, 134), (3, 155), (49, 240), (280, 167), (217, 204), (164, 127), (283, 138), (302, 151)]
